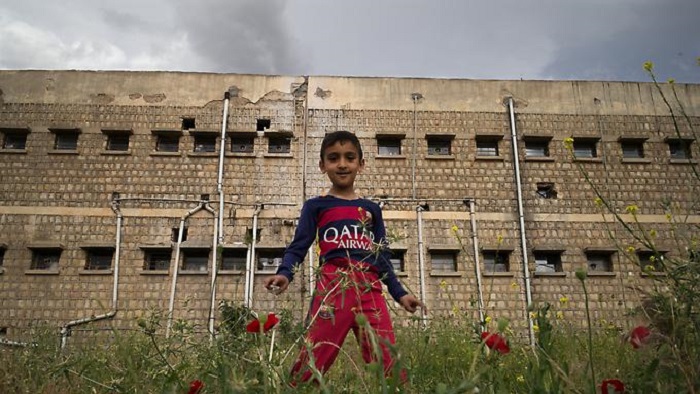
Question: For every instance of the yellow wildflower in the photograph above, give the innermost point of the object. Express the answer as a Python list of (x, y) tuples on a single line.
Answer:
[(499, 239), (560, 315), (649, 268), (652, 233), (648, 66), (631, 249), (569, 143), (513, 285), (533, 315), (487, 319), (632, 209), (598, 202), (536, 327), (443, 284), (520, 379), (564, 299), (455, 228)]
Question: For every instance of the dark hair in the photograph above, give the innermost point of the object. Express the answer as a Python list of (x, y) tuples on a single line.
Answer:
[(340, 136)]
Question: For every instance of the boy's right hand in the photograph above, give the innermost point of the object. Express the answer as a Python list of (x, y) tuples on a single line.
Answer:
[(277, 284)]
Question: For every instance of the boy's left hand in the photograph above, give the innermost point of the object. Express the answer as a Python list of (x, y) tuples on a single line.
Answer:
[(410, 303)]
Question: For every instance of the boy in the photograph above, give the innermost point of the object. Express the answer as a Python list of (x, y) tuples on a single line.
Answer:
[(353, 258)]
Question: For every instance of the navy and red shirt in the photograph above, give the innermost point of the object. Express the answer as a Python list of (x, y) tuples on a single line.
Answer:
[(347, 231)]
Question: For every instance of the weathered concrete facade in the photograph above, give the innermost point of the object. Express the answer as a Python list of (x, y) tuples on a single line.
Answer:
[(64, 197)]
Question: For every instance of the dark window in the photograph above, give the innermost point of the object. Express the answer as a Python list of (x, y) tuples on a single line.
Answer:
[(439, 146), (175, 233), (443, 260), (679, 148), (14, 140), (548, 261), (397, 260), (599, 261), (66, 140), (242, 144), (234, 259), (46, 259), (157, 259), (650, 260), (269, 259), (496, 260), (536, 147), (263, 124), (546, 190), (188, 123), (388, 146), (167, 143), (279, 144), (2, 257), (205, 143), (486, 147), (195, 260), (99, 258), (632, 149), (118, 141), (585, 148)]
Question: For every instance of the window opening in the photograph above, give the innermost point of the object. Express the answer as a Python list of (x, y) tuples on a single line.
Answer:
[(263, 124), (546, 190), (632, 149), (496, 260), (548, 261), (439, 147), (269, 259), (157, 260), (234, 259), (45, 259), (443, 261), (486, 147), (176, 232), (195, 260), (205, 143), (679, 149), (14, 140), (279, 145), (599, 261), (388, 146), (242, 144), (118, 142), (167, 143), (585, 148), (66, 140), (536, 147), (188, 123), (99, 258)]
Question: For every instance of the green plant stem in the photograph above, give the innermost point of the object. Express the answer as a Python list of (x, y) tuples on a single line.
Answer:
[(590, 338)]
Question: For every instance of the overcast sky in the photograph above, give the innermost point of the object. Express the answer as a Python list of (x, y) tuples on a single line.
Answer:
[(479, 39)]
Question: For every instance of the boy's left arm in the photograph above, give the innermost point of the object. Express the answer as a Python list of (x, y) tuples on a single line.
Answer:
[(411, 304)]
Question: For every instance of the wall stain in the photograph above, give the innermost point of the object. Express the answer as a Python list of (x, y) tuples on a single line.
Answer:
[(322, 93), (154, 98), (102, 98)]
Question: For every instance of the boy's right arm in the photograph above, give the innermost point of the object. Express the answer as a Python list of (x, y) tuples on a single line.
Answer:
[(277, 284)]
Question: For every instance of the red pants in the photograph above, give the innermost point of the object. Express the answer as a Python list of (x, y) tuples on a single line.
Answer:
[(343, 293)]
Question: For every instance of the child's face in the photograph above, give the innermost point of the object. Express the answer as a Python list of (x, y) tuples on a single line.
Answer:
[(341, 162)]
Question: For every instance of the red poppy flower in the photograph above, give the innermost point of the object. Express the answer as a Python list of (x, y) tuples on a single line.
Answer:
[(195, 387), (495, 342), (270, 322), (639, 336), (617, 386)]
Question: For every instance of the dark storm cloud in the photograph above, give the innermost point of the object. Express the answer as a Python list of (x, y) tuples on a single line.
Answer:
[(246, 36), (666, 33)]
